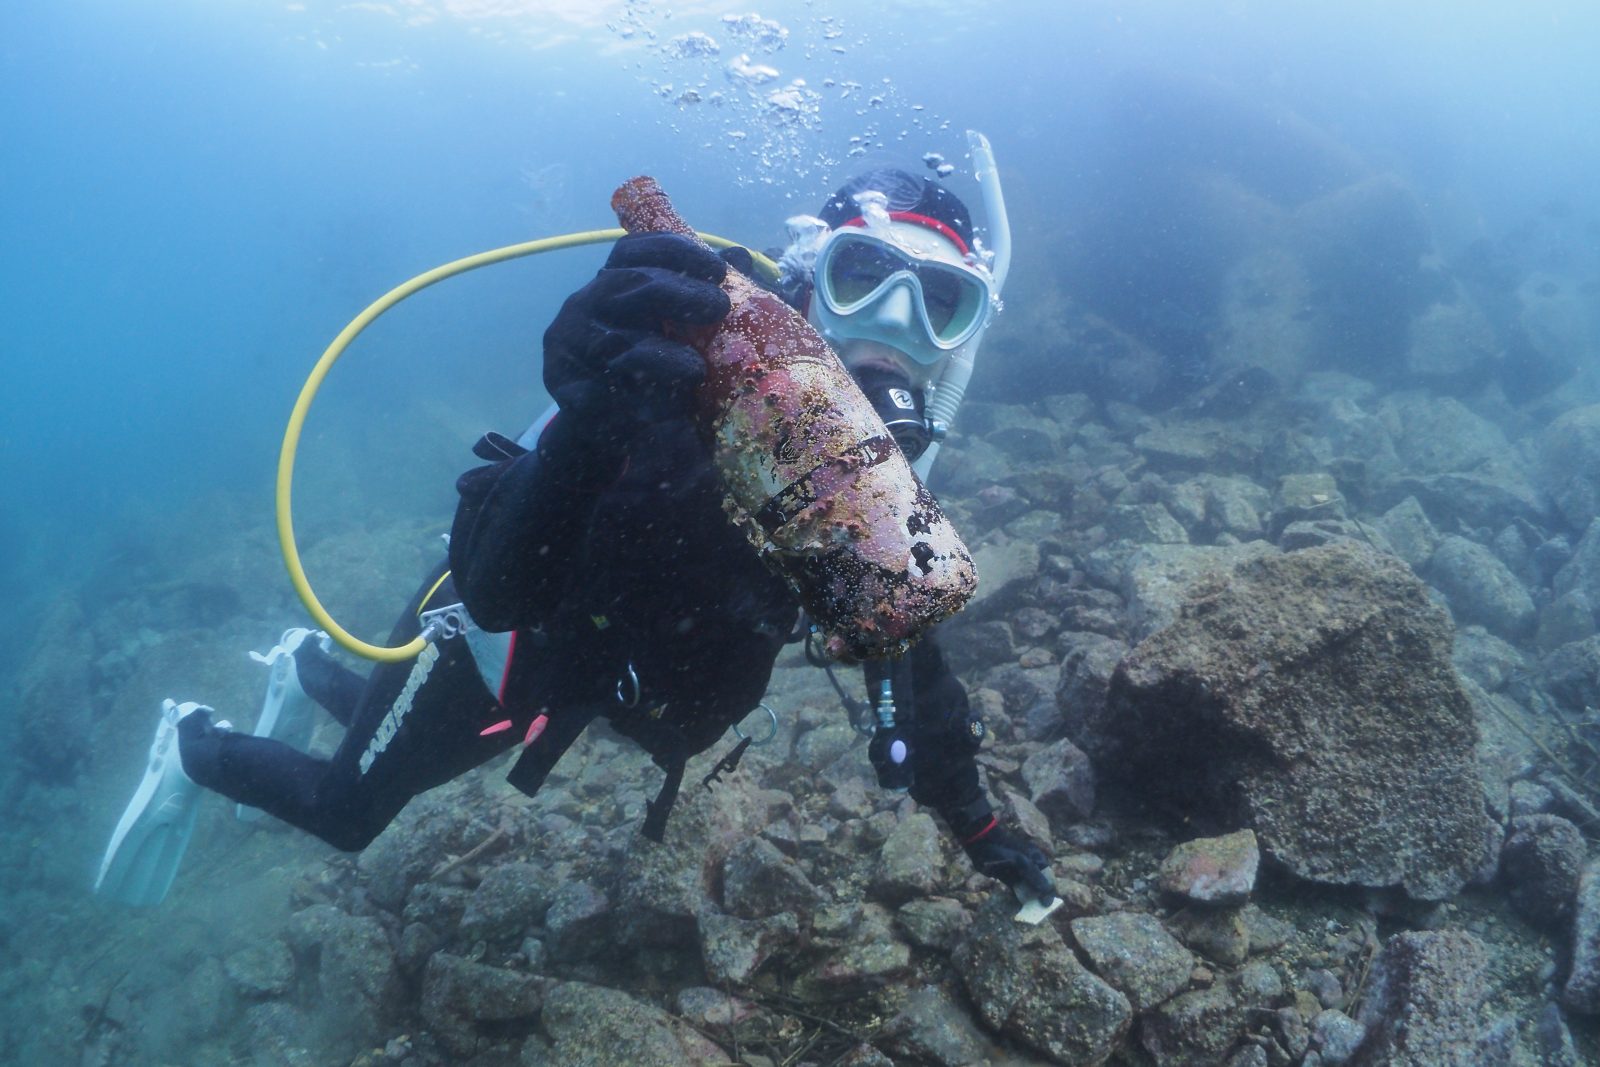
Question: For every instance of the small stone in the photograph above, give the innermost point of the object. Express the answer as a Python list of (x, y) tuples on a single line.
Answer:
[(910, 862), (1582, 990), (276, 1031), (1136, 954), (1306, 497), (1034, 624), (261, 969), (1408, 531), (592, 1026), (712, 1008), (1423, 999), (457, 994), (1032, 822), (1542, 860), (1219, 935), (1196, 1027), (1028, 985), (1249, 1056), (932, 1028), (1335, 1036), (511, 898), (1530, 798), (1325, 986), (1060, 782), (578, 922), (734, 949), (1266, 933), (1213, 870), (1258, 983), (932, 922), (1145, 524), (869, 957), (1569, 617), (1035, 657), (758, 880), (1480, 588), (1555, 1039)]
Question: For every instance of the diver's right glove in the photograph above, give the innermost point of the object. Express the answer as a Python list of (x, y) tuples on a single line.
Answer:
[(608, 361), (1013, 859)]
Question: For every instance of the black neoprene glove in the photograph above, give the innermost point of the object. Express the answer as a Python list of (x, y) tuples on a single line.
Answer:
[(1013, 859), (607, 360)]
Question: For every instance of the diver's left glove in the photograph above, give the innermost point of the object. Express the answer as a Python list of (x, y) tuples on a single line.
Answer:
[(1011, 858), (614, 357)]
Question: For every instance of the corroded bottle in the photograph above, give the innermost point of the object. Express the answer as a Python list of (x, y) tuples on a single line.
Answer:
[(809, 472)]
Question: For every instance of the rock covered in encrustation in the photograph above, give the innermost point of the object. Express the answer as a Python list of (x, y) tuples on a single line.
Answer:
[(1310, 697), (1542, 861), (1422, 1001), (1030, 987), (1135, 953), (1213, 870), (1581, 992)]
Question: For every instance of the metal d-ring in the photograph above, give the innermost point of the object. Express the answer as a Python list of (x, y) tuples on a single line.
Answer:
[(631, 681), (772, 717)]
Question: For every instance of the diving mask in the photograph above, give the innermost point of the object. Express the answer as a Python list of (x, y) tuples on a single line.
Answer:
[(902, 285)]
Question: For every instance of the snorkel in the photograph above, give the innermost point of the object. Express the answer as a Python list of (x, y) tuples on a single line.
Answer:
[(945, 394)]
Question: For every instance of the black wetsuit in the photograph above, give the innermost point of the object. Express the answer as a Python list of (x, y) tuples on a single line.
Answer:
[(630, 596)]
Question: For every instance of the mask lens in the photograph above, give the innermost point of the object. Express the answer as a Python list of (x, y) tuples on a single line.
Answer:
[(943, 292), (857, 268)]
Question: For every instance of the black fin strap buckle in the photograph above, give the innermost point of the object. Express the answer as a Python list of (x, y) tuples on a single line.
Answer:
[(727, 764)]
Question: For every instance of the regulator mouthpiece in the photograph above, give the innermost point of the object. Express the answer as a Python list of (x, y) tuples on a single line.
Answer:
[(900, 406)]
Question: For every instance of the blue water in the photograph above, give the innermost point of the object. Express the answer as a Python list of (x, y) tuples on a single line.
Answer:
[(196, 196)]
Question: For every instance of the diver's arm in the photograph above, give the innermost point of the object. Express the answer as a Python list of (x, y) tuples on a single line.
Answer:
[(609, 365), (520, 523), (946, 738)]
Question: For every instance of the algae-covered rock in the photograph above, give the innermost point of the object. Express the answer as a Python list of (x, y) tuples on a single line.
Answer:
[(457, 994), (1213, 870), (1311, 698), (1422, 1001), (1028, 985), (592, 1026), (1136, 954)]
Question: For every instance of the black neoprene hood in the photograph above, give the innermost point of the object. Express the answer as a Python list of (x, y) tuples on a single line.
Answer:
[(906, 192)]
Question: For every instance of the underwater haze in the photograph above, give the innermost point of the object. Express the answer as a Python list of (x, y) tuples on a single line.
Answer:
[(197, 196), (1355, 240)]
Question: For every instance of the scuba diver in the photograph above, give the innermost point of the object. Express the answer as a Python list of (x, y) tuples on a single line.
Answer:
[(592, 573)]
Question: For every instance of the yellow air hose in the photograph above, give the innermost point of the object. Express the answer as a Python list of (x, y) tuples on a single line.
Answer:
[(308, 392)]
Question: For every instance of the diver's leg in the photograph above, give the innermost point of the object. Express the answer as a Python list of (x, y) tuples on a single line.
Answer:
[(417, 725), (301, 671), (330, 683)]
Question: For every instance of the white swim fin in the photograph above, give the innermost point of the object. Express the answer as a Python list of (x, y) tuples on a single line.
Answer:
[(287, 713), (150, 839)]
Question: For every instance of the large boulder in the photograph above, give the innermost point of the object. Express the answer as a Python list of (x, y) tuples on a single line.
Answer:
[(1310, 697)]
